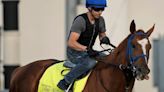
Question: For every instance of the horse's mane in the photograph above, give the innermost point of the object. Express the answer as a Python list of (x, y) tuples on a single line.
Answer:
[(110, 59)]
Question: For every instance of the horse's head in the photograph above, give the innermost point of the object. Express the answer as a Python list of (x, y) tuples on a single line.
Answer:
[(138, 47)]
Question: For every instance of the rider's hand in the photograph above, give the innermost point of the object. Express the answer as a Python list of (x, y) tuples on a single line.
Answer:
[(92, 53), (105, 40)]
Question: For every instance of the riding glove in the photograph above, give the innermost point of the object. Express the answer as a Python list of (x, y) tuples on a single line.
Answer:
[(105, 40)]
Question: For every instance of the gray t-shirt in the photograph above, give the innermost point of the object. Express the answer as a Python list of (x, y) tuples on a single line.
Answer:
[(79, 25)]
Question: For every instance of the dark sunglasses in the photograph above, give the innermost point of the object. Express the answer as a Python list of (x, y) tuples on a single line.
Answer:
[(98, 9)]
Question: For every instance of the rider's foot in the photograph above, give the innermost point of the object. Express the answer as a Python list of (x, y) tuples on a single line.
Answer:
[(63, 85)]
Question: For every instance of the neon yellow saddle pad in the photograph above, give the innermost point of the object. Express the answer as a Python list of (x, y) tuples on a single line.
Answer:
[(51, 77)]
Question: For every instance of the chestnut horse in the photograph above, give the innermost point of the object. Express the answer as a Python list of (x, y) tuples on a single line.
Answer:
[(115, 72)]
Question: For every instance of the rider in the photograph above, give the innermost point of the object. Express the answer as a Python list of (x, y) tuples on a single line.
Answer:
[(85, 28)]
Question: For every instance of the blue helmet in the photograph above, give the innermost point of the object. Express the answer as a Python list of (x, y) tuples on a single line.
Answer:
[(96, 3)]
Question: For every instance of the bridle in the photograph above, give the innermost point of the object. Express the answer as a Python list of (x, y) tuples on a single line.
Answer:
[(129, 50), (129, 70)]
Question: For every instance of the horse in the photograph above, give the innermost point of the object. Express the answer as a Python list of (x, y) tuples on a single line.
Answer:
[(115, 72)]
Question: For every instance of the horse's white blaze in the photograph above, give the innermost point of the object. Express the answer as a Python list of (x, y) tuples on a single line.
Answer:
[(143, 43)]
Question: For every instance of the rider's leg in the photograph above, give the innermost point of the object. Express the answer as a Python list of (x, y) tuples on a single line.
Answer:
[(83, 65)]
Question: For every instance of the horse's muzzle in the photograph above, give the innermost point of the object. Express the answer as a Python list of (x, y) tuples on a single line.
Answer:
[(142, 73)]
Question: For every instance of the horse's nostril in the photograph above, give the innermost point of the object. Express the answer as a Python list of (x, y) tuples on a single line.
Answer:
[(148, 71)]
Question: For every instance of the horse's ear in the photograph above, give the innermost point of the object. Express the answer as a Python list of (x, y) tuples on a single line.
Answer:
[(132, 27), (150, 31)]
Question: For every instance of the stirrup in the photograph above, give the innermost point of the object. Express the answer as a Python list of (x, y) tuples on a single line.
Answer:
[(69, 87)]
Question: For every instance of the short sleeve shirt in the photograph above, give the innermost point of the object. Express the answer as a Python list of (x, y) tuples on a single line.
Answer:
[(79, 25)]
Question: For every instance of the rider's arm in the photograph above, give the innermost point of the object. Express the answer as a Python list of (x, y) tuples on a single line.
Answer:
[(102, 35), (72, 42), (78, 26), (102, 28)]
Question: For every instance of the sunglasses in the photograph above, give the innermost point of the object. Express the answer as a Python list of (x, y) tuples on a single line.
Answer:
[(98, 9)]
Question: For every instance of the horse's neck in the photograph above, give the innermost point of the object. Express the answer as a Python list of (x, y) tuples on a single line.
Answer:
[(118, 56), (110, 77), (107, 79), (114, 76)]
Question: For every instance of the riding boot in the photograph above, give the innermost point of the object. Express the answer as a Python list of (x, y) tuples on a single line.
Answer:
[(63, 85)]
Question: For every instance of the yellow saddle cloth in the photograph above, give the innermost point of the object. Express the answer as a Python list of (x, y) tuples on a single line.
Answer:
[(51, 77)]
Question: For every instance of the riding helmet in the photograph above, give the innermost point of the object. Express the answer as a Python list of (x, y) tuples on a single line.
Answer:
[(96, 3)]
